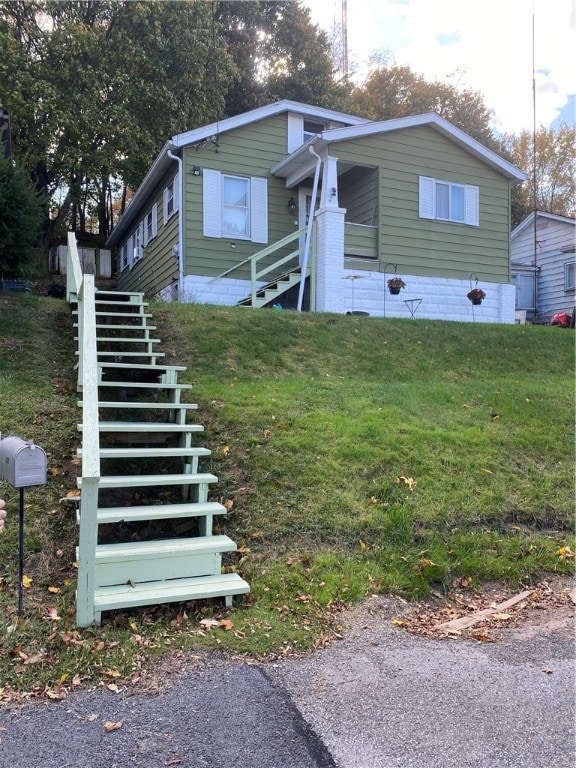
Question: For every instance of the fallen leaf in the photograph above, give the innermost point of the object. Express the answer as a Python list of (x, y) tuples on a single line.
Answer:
[(109, 726), (26, 582), (407, 481), (228, 504), (226, 624), (54, 590), (547, 671), (399, 622), (501, 616), (209, 623), (112, 672), (565, 553)]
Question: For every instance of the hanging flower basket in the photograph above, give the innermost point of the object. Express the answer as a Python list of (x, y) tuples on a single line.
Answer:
[(395, 284), (476, 295)]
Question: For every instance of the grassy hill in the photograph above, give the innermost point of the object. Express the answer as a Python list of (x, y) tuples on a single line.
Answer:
[(357, 455)]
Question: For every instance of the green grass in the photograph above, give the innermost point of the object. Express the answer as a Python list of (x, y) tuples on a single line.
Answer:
[(361, 455)]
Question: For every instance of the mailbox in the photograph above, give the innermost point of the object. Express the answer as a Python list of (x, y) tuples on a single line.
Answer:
[(21, 463)]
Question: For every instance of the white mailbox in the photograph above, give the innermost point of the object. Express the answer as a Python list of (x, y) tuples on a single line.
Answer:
[(22, 463)]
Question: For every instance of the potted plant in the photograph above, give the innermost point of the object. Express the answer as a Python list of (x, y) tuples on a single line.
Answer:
[(476, 295), (395, 284)]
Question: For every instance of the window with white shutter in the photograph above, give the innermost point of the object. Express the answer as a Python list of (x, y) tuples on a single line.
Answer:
[(447, 201), (151, 224), (170, 199), (235, 207)]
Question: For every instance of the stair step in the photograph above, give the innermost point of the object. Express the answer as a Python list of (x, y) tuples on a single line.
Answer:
[(144, 561), (175, 590), (130, 315), (145, 426), (125, 340), (126, 481), (144, 406), (143, 385), (101, 353), (158, 512), (142, 550), (143, 367), (123, 327), (148, 453)]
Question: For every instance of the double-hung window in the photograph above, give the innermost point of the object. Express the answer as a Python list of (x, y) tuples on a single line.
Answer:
[(124, 261), (235, 207), (171, 199), (570, 276), (448, 201), (151, 224)]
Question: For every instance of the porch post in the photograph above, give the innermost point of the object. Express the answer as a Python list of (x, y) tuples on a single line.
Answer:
[(330, 284)]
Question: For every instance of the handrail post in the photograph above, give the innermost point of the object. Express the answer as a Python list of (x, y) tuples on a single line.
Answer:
[(88, 539)]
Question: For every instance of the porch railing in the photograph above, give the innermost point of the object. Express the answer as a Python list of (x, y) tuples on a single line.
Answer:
[(81, 290)]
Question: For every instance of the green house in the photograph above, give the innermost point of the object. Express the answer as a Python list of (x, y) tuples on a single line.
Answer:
[(300, 207)]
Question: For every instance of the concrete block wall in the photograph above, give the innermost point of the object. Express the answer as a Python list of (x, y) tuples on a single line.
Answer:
[(442, 298)]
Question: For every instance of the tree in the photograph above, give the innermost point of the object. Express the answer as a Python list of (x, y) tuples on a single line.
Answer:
[(555, 187), (96, 88), (20, 215), (394, 91), (279, 54)]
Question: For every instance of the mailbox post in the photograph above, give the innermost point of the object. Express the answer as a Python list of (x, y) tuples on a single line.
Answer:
[(22, 464)]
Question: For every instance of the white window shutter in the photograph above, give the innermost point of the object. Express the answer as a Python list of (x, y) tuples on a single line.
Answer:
[(145, 231), (259, 210), (154, 219), (165, 206), (176, 191), (472, 206), (295, 131), (211, 207), (426, 198)]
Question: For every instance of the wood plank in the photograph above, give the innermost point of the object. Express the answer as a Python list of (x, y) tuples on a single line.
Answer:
[(467, 621), (159, 511), (144, 406), (147, 453), (144, 550), (128, 481), (145, 426), (153, 593), (143, 385)]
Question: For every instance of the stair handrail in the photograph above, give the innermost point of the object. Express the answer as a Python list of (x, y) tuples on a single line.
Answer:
[(81, 290), (266, 252), (73, 268)]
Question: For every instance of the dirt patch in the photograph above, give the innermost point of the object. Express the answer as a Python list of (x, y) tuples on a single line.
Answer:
[(549, 606)]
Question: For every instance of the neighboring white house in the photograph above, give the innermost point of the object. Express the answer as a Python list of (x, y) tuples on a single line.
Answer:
[(544, 264)]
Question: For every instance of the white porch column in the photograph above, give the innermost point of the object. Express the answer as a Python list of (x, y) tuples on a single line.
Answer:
[(330, 284), (329, 196)]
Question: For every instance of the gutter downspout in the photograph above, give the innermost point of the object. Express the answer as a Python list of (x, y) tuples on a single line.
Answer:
[(180, 162), (309, 228)]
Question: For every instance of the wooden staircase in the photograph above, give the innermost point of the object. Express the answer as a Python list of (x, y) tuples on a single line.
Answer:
[(273, 290), (146, 524)]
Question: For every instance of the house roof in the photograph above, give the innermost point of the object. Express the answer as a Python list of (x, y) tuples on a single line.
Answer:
[(299, 164), (163, 161), (529, 221), (296, 163)]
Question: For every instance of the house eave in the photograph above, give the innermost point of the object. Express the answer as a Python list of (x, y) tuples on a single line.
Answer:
[(157, 171)]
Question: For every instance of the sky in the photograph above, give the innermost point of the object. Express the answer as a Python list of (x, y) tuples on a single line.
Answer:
[(487, 46)]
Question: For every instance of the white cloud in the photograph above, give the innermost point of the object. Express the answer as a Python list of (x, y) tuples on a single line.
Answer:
[(489, 44)]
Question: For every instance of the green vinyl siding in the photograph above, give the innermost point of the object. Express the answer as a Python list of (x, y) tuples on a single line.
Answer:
[(358, 193), (249, 151), (425, 246), (158, 268)]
